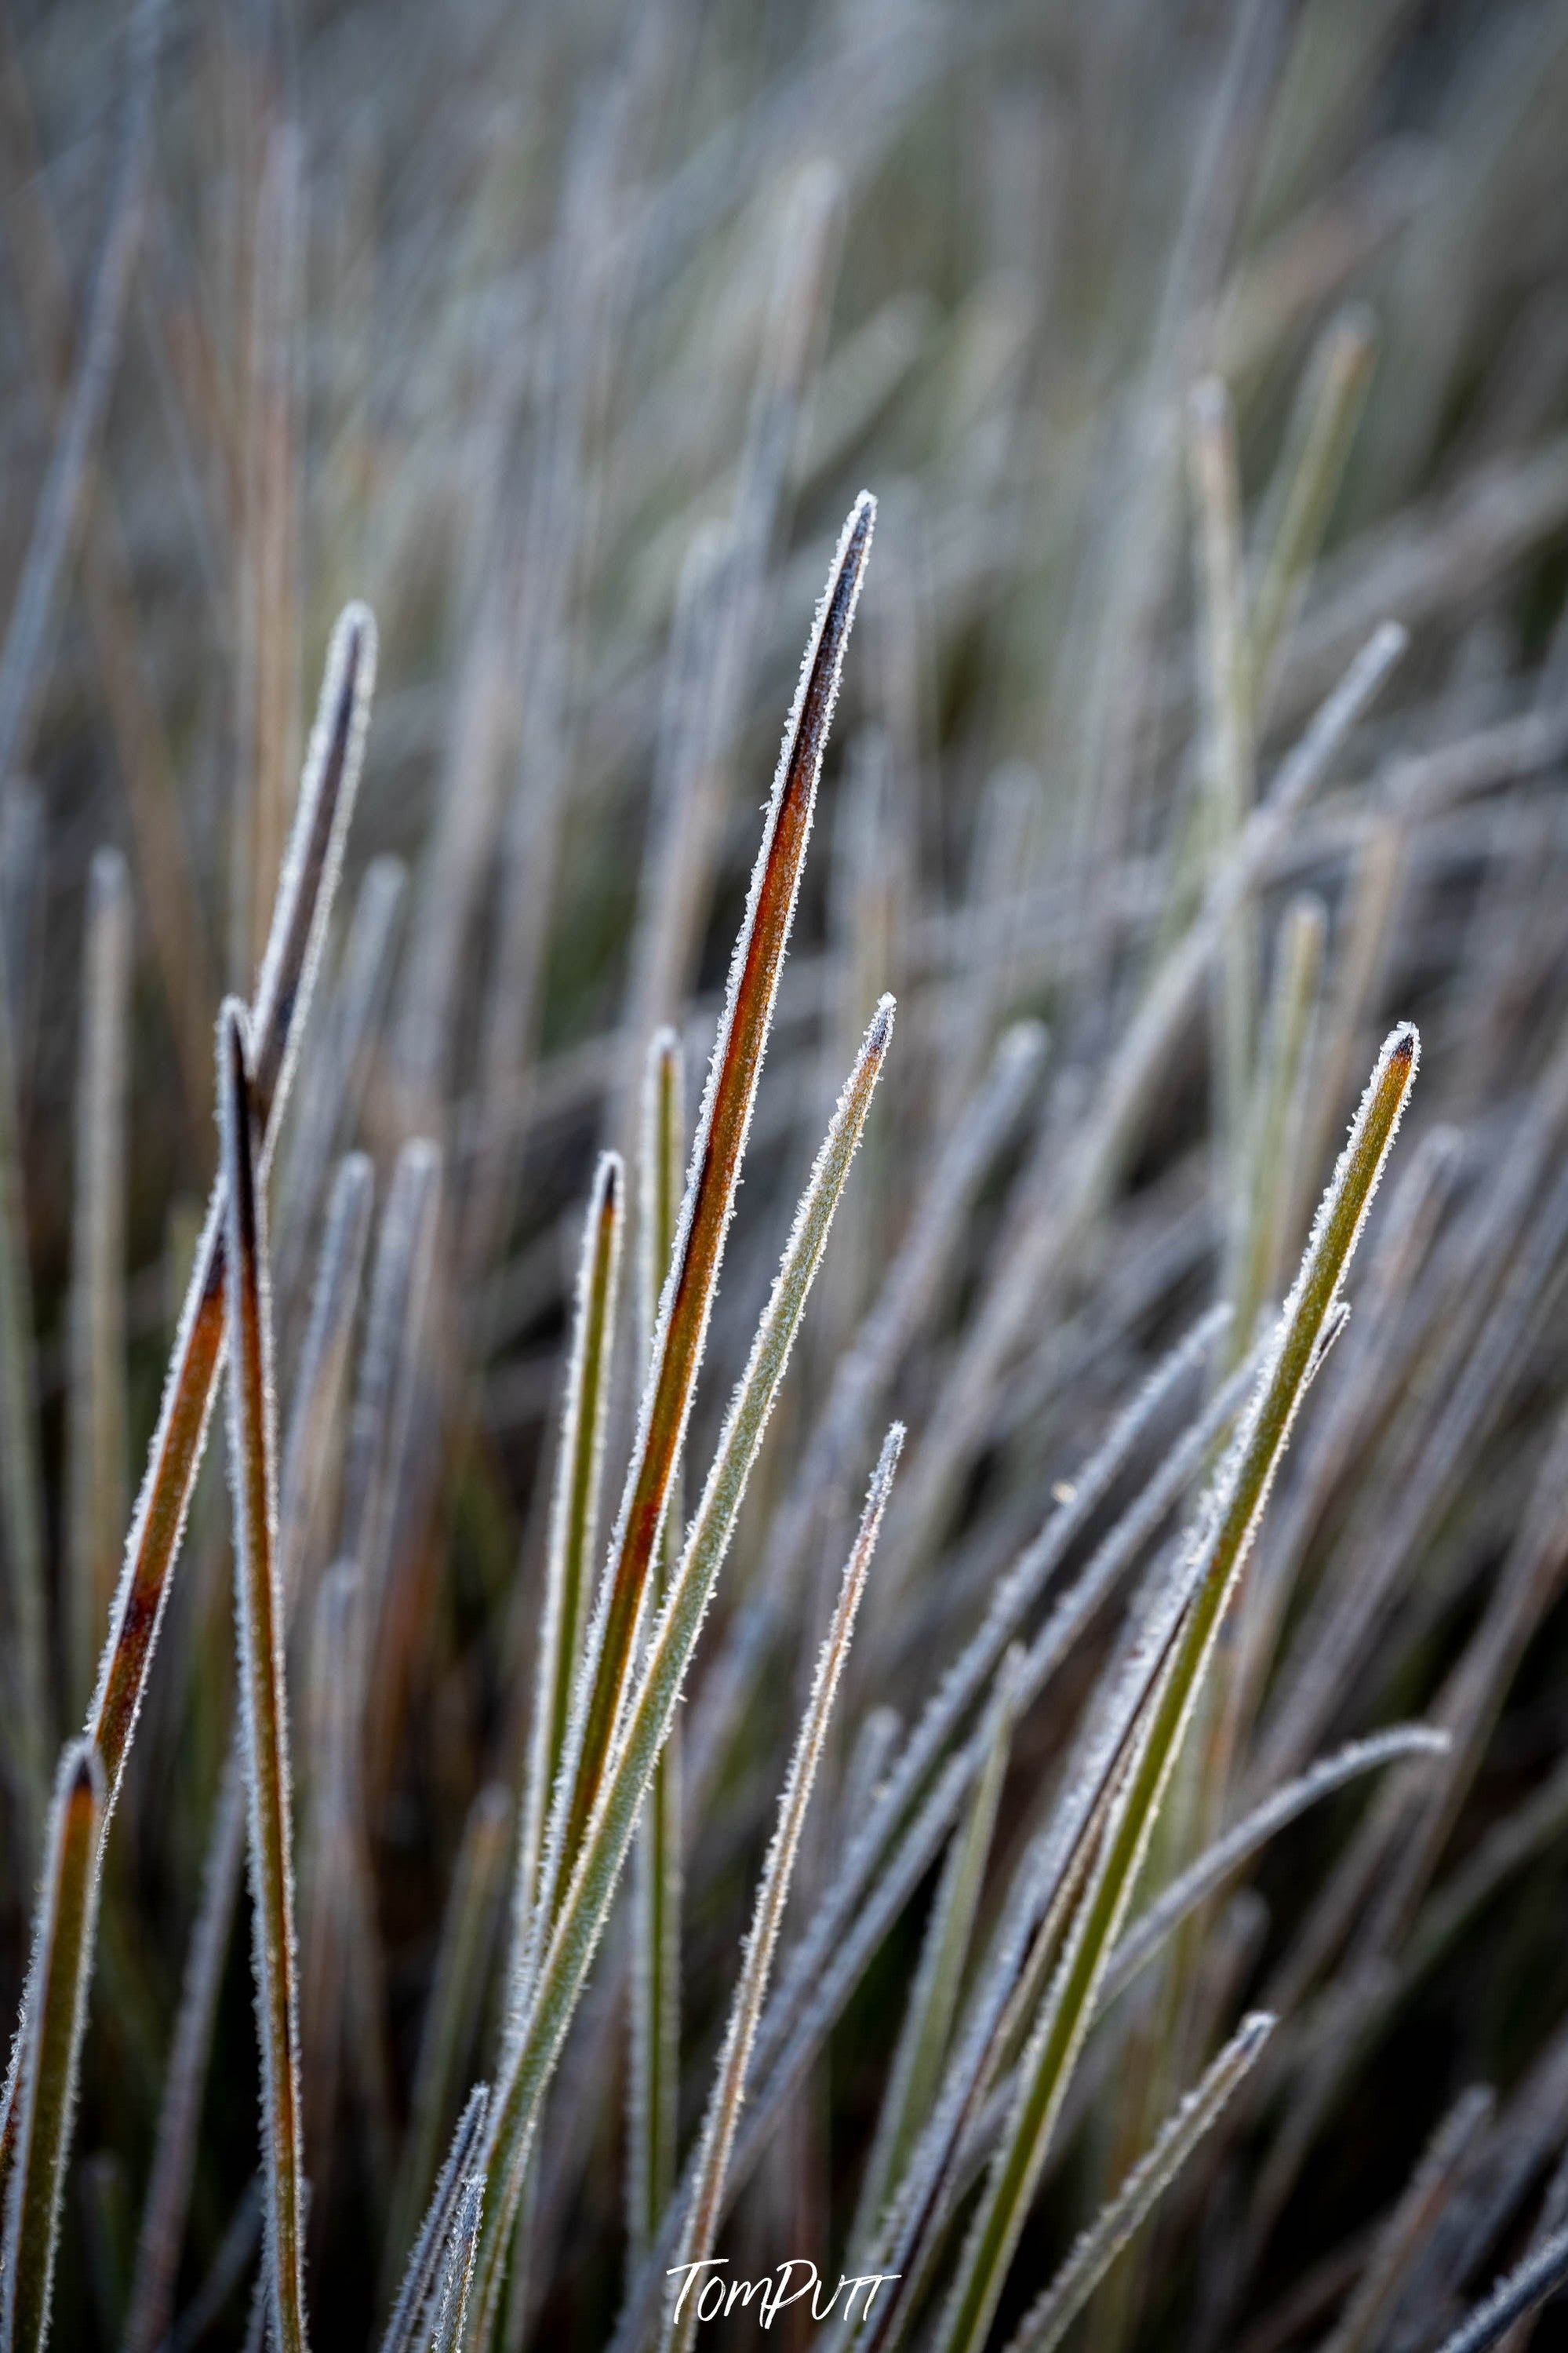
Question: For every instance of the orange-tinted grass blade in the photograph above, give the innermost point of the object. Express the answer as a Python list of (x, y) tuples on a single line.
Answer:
[(42, 2092), (259, 1609), (715, 1171)]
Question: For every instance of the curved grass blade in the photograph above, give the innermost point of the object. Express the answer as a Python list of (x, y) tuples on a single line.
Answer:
[(654, 2092), (258, 1607), (1214, 1865), (711, 1186), (772, 1894), (1242, 1492), (533, 2043), (573, 1511), (42, 2089), (1049, 2319)]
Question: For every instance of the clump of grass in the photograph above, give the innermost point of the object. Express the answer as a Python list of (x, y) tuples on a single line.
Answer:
[(1120, 1912)]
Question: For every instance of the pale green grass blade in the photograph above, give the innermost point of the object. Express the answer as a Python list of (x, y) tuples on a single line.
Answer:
[(1300, 500), (772, 1894), (1048, 2320), (573, 1516), (1239, 1501)]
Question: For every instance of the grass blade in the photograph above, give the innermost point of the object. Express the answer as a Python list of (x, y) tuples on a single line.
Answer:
[(1297, 511), (1409, 2228), (96, 1403), (574, 1510), (1539, 2276), (1048, 2320), (258, 1607), (457, 1990), (934, 1996), (282, 998), (1214, 1866), (654, 2094), (772, 1894), (711, 1186), (313, 1421), (28, 1712), (1243, 1491), (42, 2089), (535, 2039), (48, 543), (436, 2230)]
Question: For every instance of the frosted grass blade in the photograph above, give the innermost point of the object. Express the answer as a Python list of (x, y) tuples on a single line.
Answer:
[(259, 1608), (533, 2044), (313, 1423), (446, 2201), (574, 1514), (723, 1125), (43, 2080), (451, 2011), (653, 2091), (283, 998), (1243, 1491), (1048, 2320), (772, 1894)]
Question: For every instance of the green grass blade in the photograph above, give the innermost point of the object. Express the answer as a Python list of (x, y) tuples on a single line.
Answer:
[(1049, 2319), (573, 1511), (259, 1608), (772, 1894), (42, 2089), (536, 2036), (1058, 2038), (1296, 510)]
